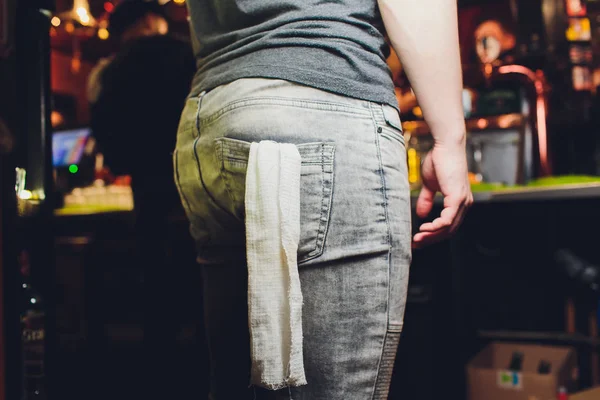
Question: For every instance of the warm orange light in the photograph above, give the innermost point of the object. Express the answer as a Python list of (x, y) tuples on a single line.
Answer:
[(482, 123), (75, 64), (53, 32), (56, 118), (103, 33), (518, 69), (417, 112), (55, 21), (178, 1), (488, 69), (504, 121), (69, 27), (83, 15)]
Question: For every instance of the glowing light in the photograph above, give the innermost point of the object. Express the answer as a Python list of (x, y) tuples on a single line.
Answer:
[(482, 123), (25, 195), (78, 15), (103, 33), (33, 300), (55, 21), (178, 1), (414, 164), (109, 7), (73, 168), (505, 121), (83, 15), (75, 64), (56, 118), (488, 69), (69, 27)]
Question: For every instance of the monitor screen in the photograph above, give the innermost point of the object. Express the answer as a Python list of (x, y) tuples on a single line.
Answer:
[(68, 146)]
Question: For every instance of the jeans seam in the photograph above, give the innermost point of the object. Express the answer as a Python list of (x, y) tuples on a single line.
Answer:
[(387, 222), (316, 105), (195, 146), (319, 241), (326, 205), (200, 97), (223, 173)]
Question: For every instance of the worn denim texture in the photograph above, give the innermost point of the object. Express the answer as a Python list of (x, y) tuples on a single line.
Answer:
[(354, 253)]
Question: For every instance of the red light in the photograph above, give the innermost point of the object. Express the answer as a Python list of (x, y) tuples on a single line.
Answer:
[(108, 6)]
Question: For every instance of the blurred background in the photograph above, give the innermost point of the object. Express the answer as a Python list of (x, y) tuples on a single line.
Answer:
[(101, 296)]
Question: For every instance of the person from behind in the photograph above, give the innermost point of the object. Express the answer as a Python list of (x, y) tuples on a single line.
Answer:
[(291, 166)]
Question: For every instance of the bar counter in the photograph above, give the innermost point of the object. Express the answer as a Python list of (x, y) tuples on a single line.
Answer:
[(485, 193), (561, 192), (495, 276)]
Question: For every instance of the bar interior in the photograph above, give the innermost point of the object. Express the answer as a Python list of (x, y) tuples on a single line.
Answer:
[(101, 301)]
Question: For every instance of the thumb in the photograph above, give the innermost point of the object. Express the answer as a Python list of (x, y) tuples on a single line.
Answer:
[(425, 201)]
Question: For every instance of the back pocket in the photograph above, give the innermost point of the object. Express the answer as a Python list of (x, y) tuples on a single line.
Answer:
[(316, 188)]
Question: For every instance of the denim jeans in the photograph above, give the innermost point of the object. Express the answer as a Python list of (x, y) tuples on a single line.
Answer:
[(354, 252)]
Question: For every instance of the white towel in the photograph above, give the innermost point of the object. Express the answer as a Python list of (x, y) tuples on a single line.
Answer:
[(272, 235)]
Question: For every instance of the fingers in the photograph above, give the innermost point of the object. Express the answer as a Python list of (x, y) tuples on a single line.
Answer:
[(425, 202), (461, 213), (445, 225), (444, 221), (423, 239)]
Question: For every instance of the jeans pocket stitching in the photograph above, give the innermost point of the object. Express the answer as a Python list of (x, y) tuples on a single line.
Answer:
[(224, 173), (326, 199), (324, 159), (390, 133)]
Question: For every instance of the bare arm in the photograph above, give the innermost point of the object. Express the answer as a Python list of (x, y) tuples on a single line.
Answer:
[(424, 34)]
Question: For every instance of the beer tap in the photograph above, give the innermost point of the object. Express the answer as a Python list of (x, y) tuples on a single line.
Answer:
[(536, 83)]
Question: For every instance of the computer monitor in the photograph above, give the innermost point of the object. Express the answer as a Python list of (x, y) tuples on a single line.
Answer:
[(68, 146)]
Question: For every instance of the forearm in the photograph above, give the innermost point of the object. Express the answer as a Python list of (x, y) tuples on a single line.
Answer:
[(424, 33)]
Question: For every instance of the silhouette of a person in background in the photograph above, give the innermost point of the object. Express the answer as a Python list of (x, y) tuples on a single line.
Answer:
[(136, 100)]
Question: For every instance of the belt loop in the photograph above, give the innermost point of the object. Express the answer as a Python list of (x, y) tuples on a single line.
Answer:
[(391, 116)]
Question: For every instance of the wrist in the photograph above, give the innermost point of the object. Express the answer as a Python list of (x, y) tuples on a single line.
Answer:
[(451, 140), (449, 133)]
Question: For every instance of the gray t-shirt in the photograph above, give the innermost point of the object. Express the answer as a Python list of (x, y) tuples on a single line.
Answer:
[(333, 45)]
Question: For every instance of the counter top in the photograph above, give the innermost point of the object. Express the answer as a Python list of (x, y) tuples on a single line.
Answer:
[(537, 193), (570, 191), (534, 193)]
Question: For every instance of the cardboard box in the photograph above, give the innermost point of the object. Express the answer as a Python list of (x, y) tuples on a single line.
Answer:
[(489, 377), (592, 394)]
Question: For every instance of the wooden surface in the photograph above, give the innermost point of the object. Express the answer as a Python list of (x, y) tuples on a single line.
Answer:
[(592, 394)]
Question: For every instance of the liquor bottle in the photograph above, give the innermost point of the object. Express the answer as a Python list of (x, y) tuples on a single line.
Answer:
[(32, 336)]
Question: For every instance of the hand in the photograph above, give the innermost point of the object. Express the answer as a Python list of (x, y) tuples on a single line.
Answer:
[(444, 170)]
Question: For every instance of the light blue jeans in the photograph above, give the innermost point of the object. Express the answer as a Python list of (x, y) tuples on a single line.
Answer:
[(354, 253)]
